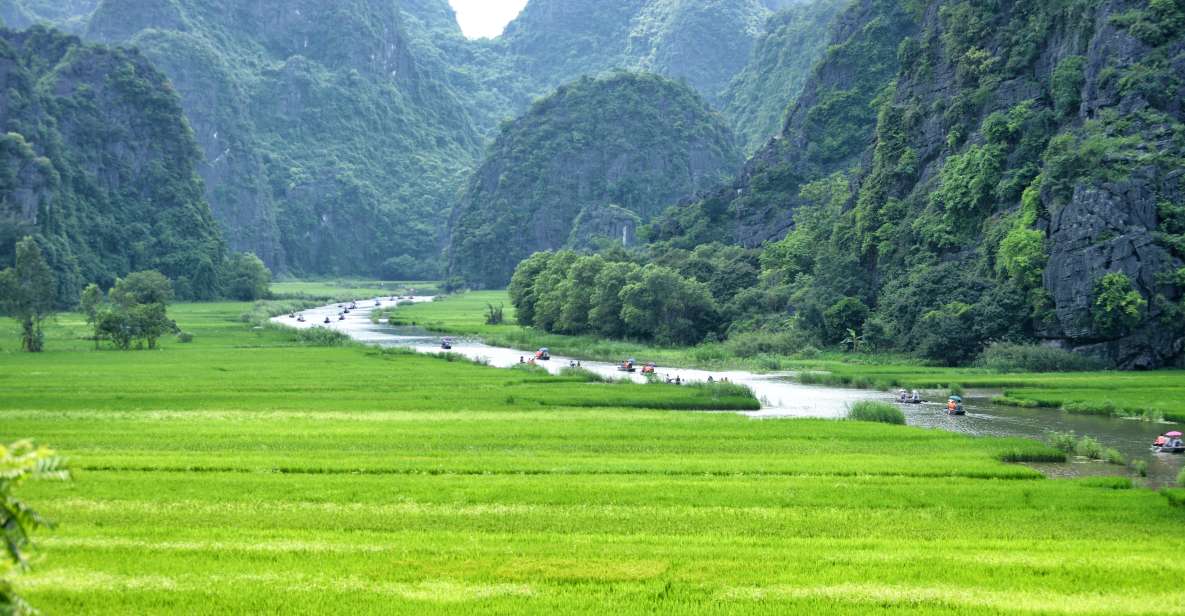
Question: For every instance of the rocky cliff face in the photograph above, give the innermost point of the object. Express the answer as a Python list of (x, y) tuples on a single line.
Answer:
[(759, 97), (99, 162), (638, 141), (331, 144), (1026, 150)]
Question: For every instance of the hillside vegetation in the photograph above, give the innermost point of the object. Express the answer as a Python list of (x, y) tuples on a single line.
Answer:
[(639, 142), (98, 162), (959, 172)]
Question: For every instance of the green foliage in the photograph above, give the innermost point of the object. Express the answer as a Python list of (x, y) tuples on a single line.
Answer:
[(1010, 357), (663, 306), (949, 334), (1117, 307), (635, 140), (137, 288), (20, 462), (28, 293), (1067, 82), (101, 136), (881, 412), (846, 315), (759, 97), (248, 279)]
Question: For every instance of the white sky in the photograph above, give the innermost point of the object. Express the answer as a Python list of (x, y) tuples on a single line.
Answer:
[(486, 18)]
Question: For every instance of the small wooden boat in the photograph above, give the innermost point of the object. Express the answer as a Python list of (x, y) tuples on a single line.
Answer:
[(1168, 449), (543, 355), (446, 344)]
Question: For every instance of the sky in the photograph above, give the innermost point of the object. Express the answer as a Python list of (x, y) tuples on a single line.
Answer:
[(486, 18)]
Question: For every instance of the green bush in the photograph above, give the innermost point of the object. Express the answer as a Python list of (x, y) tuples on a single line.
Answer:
[(184, 337), (881, 412), (321, 337), (1181, 478), (1009, 357), (1033, 453), (1088, 447), (1140, 467), (1063, 441)]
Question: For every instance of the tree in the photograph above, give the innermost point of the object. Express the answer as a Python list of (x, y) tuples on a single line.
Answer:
[(844, 316), (522, 286), (1118, 307), (149, 287), (150, 322), (90, 303), (604, 317), (115, 324), (20, 462), (248, 279), (662, 305), (27, 293)]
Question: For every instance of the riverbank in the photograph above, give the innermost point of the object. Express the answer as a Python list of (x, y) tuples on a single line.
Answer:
[(1155, 396), (443, 487)]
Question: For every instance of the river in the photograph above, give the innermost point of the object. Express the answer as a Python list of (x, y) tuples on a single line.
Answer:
[(781, 397)]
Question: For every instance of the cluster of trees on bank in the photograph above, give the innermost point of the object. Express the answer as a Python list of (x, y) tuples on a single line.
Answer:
[(683, 298), (133, 312), (768, 301)]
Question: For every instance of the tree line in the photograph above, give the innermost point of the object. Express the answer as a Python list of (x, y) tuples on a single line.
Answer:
[(132, 313)]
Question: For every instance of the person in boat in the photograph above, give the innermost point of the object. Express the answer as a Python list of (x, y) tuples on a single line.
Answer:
[(952, 406), (327, 320), (1161, 441), (710, 379), (915, 397), (678, 380), (902, 396), (522, 360)]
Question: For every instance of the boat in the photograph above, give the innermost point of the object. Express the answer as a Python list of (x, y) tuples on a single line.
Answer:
[(327, 321), (446, 344), (341, 317), (1170, 442), (649, 369), (543, 354), (629, 365), (300, 319), (954, 406)]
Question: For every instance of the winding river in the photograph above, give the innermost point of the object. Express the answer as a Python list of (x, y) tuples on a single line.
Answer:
[(781, 397)]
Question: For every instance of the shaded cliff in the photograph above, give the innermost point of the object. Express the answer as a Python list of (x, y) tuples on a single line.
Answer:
[(634, 140), (99, 163)]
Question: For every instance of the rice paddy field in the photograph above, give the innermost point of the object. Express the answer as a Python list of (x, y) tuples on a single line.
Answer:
[(247, 472), (1153, 394)]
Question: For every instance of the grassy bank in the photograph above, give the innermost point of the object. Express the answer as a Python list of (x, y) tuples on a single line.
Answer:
[(247, 472), (1154, 395), (338, 290)]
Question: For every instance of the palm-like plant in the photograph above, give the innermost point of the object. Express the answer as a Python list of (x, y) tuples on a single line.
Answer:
[(20, 462), (854, 341)]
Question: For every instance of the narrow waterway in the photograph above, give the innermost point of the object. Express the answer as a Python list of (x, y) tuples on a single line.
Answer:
[(781, 397)]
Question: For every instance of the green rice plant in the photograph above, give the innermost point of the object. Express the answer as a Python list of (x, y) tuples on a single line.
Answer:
[(873, 411), (1009, 357), (957, 390), (1063, 441), (321, 337), (583, 374), (1032, 453), (1181, 478), (1140, 467), (1088, 447), (1107, 482), (1114, 456)]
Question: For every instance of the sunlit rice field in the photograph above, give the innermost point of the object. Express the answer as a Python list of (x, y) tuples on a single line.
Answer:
[(246, 473)]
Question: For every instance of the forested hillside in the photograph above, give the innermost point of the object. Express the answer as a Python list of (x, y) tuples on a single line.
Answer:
[(959, 172), (757, 100), (98, 161), (636, 141), (330, 146)]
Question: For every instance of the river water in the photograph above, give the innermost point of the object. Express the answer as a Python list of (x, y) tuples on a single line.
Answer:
[(781, 397)]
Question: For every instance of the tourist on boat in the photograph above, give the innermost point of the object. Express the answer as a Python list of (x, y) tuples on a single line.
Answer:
[(902, 396), (678, 380), (522, 360), (915, 397), (710, 379)]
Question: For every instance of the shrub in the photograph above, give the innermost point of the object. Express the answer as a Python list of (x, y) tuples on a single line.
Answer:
[(1181, 478), (1118, 306), (1140, 467), (1008, 357), (1114, 456), (1032, 453), (1088, 447), (184, 337), (321, 337), (957, 390), (1063, 441), (881, 412)]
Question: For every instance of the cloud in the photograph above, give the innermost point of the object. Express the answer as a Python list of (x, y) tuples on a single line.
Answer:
[(486, 18)]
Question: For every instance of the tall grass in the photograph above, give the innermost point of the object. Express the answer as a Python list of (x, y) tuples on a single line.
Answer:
[(1008, 357), (1181, 478), (881, 412)]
